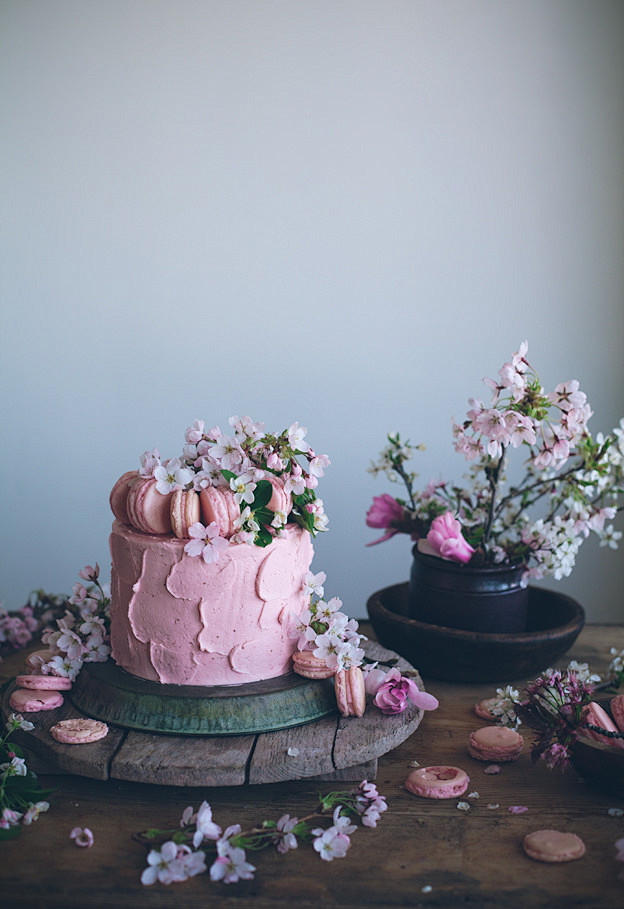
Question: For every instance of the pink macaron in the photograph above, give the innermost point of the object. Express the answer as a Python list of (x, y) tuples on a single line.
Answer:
[(218, 506), (119, 495), (148, 509), (553, 846), (44, 682), (280, 500), (437, 782), (495, 743), (350, 691), (617, 710), (79, 731), (24, 701), (484, 709), (310, 666), (597, 716), (184, 511)]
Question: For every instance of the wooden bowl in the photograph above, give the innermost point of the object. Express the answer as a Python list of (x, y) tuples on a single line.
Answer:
[(554, 623)]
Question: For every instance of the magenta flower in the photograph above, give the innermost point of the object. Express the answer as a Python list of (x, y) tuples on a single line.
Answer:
[(445, 538), (395, 691), (382, 513)]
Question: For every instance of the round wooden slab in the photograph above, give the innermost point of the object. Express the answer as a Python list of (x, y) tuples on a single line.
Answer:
[(330, 748)]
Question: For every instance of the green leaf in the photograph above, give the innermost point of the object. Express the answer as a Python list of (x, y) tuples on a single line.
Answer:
[(263, 537), (11, 833), (262, 494)]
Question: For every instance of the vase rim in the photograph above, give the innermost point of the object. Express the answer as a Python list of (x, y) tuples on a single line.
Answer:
[(466, 567)]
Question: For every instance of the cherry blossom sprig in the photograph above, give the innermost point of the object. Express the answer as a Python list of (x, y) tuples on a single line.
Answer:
[(244, 462), (326, 630), (183, 851), (573, 484), (22, 799), (82, 633)]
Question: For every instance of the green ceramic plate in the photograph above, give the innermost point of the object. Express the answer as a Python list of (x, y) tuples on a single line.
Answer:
[(106, 692)]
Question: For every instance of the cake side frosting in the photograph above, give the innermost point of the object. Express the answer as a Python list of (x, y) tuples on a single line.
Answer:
[(176, 619)]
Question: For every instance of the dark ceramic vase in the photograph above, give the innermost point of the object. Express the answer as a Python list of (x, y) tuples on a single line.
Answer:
[(474, 598)]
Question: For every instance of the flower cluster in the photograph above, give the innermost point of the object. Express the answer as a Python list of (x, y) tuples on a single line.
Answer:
[(18, 628), (82, 633), (183, 851), (22, 799), (327, 631), (556, 707), (247, 463), (553, 706), (576, 480)]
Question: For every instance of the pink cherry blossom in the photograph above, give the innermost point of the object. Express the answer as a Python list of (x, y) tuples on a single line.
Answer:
[(205, 542), (395, 691), (446, 538)]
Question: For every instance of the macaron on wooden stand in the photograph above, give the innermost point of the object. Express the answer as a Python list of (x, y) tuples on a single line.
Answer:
[(281, 729)]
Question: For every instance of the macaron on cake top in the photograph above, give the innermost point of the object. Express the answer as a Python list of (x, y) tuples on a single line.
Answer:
[(553, 846), (248, 482)]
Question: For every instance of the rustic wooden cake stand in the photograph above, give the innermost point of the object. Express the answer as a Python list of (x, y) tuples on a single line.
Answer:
[(329, 748)]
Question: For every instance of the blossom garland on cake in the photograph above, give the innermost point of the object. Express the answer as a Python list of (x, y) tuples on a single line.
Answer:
[(245, 463), (575, 479)]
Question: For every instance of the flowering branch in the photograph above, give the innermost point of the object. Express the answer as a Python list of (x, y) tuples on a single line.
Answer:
[(82, 634), (183, 850), (22, 799), (579, 479)]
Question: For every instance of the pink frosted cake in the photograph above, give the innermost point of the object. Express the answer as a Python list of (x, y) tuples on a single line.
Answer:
[(210, 554)]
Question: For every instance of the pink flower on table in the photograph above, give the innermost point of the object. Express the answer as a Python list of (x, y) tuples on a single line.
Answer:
[(231, 865), (9, 818), (331, 843), (395, 691), (383, 512), (82, 837), (446, 538)]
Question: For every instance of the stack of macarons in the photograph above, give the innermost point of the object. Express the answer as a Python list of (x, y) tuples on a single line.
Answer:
[(38, 692), (135, 500)]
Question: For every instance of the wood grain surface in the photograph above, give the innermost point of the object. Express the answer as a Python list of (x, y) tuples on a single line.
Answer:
[(423, 853)]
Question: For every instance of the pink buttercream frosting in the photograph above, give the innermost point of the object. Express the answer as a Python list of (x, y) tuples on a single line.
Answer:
[(177, 620)]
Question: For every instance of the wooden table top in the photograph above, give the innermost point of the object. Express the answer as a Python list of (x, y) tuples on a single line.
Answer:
[(423, 852)]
